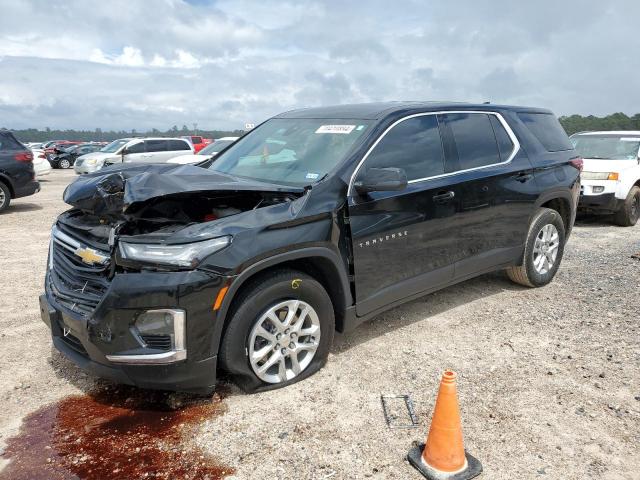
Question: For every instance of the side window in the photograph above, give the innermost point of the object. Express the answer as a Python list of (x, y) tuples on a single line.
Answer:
[(474, 140), (136, 148), (156, 145), (547, 129), (196, 140), (177, 145), (413, 145), (505, 145)]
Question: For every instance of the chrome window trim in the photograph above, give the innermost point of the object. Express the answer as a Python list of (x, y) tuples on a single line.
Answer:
[(503, 122)]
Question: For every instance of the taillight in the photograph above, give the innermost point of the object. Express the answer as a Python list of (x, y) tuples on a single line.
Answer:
[(577, 163), (24, 157)]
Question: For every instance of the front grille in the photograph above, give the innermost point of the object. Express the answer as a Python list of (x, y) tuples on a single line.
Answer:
[(77, 285), (74, 344), (159, 342), (79, 162)]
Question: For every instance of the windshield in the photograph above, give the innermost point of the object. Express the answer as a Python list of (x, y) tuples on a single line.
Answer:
[(607, 147), (291, 151), (114, 146), (215, 147)]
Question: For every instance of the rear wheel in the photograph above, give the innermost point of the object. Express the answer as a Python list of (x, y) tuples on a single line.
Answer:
[(280, 331), (64, 163), (5, 197), (543, 250), (629, 212)]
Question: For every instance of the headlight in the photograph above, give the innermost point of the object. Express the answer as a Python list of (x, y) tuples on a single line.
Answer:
[(599, 175), (91, 161), (183, 255)]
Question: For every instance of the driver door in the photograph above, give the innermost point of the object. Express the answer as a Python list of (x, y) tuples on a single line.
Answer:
[(403, 240)]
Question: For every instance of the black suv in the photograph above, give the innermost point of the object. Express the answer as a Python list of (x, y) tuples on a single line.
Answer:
[(65, 157), (314, 221), (17, 177)]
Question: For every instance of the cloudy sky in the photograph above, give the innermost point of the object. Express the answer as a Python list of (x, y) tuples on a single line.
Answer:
[(140, 64)]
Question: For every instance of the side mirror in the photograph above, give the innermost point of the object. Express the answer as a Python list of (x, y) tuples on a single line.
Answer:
[(382, 180)]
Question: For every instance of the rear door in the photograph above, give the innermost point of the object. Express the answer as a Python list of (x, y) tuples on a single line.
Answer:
[(402, 240), (494, 190), (155, 151)]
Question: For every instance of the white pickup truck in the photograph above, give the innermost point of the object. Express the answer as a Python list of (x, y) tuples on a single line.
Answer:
[(611, 175)]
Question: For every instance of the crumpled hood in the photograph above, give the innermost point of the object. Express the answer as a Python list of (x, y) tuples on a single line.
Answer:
[(115, 189)]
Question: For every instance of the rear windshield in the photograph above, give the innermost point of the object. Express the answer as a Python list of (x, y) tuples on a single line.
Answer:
[(8, 142), (607, 147), (547, 129)]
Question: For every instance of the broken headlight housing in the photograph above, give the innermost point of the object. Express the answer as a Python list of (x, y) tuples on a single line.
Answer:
[(188, 255)]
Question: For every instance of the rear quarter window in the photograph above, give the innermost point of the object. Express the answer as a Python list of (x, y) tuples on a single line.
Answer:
[(8, 142), (178, 145), (547, 129)]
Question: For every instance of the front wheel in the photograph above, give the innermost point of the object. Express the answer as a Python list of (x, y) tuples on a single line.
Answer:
[(629, 212), (280, 332), (543, 250), (64, 163)]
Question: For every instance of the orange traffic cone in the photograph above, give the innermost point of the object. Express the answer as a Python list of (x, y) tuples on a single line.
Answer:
[(444, 457)]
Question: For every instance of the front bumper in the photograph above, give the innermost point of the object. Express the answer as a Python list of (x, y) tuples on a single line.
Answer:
[(87, 340), (603, 203), (82, 167)]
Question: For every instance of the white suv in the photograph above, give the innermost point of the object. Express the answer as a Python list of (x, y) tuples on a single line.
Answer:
[(133, 150), (611, 175)]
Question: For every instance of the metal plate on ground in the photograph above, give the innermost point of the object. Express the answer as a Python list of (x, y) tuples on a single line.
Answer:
[(399, 411)]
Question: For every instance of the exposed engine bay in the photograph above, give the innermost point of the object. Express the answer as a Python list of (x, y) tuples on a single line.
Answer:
[(169, 214)]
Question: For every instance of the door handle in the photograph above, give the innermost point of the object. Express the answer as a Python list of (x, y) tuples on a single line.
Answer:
[(443, 197), (523, 177)]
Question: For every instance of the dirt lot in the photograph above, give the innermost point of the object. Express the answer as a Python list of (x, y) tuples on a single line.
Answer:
[(549, 379)]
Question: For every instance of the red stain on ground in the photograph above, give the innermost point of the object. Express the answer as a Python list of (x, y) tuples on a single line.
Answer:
[(116, 433)]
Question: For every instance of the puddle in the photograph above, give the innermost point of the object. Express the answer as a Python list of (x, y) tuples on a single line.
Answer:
[(116, 432)]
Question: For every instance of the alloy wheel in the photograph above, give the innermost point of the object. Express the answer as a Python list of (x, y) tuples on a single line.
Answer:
[(64, 164), (545, 249), (283, 341)]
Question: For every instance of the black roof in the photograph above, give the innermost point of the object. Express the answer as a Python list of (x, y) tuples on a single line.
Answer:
[(378, 110)]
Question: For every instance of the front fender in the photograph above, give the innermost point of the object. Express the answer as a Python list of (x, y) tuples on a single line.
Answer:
[(235, 283)]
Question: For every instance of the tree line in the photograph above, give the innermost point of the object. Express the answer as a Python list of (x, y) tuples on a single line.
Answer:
[(571, 124), (99, 135), (616, 121)]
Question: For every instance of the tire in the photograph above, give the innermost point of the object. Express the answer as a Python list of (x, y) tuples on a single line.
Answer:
[(5, 197), (276, 290), (534, 271), (629, 212), (64, 163)]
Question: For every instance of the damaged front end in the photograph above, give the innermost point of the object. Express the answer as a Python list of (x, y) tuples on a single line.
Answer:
[(127, 271)]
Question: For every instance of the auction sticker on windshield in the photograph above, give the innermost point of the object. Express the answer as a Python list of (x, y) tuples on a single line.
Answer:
[(345, 129)]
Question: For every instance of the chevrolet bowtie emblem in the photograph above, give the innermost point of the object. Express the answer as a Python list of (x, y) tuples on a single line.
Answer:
[(91, 256)]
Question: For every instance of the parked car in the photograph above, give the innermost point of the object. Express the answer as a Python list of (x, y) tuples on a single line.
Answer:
[(611, 176), (312, 222), (133, 150), (32, 145), (40, 164), (197, 141), (57, 146), (66, 157), (206, 153), (17, 176)]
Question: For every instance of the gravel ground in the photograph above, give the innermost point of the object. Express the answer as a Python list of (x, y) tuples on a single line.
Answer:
[(549, 379)]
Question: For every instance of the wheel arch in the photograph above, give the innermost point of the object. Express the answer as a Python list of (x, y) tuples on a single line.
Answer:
[(7, 181), (561, 202), (321, 263)]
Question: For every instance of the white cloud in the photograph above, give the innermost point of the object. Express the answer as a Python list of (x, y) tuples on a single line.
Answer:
[(126, 64)]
